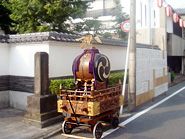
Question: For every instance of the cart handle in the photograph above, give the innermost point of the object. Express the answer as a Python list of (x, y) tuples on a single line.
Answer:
[(72, 108)]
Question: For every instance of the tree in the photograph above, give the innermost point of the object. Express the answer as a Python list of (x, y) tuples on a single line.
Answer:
[(119, 18), (45, 15), (5, 21), (88, 25), (107, 35)]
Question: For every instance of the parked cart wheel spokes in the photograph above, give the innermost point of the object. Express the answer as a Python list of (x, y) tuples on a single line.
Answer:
[(114, 122), (98, 130), (65, 128)]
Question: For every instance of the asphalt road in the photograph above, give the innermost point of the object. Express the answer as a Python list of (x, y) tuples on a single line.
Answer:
[(153, 120)]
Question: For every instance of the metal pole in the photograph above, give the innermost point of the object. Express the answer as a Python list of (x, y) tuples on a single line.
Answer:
[(132, 58), (125, 74)]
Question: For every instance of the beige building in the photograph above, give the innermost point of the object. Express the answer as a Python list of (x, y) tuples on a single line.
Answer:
[(153, 27)]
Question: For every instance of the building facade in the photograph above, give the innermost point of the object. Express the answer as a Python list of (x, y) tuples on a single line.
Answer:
[(153, 27)]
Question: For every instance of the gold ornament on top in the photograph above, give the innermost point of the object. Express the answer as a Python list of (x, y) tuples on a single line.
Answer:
[(87, 41)]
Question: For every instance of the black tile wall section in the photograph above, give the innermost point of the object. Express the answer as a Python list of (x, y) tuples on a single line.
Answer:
[(17, 83), (4, 83)]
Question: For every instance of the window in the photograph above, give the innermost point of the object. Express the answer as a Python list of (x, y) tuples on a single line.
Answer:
[(154, 13), (154, 19), (145, 17), (141, 13)]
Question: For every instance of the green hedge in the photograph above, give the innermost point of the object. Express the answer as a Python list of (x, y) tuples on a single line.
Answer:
[(115, 77), (67, 83), (70, 83), (172, 75)]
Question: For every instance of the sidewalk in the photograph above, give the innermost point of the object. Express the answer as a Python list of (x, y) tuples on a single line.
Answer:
[(178, 78), (12, 127)]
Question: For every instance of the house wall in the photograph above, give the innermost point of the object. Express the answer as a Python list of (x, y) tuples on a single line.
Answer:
[(176, 45), (169, 24), (157, 37), (151, 28), (147, 14)]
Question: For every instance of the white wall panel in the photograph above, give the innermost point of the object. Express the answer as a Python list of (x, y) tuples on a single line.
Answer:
[(4, 59), (62, 55), (22, 57)]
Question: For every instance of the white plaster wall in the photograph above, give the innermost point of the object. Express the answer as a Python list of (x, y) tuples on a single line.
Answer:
[(4, 59), (62, 55), (116, 55), (18, 100), (18, 59), (61, 58), (169, 24), (22, 57), (142, 15)]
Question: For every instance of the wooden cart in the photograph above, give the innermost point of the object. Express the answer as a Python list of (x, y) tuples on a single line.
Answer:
[(90, 108)]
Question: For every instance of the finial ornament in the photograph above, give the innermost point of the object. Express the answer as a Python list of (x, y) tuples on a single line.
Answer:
[(87, 40)]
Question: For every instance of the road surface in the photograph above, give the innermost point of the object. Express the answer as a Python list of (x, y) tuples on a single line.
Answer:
[(162, 119)]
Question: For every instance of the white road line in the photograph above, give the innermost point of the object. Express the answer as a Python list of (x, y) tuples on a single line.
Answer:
[(73, 136), (140, 113)]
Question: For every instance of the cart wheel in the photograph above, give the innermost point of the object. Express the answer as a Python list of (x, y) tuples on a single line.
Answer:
[(114, 122), (65, 128), (98, 131)]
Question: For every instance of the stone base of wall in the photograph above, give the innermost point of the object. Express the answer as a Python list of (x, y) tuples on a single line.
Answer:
[(14, 99), (4, 99)]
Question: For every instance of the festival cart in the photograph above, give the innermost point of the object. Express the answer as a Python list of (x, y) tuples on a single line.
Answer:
[(92, 101)]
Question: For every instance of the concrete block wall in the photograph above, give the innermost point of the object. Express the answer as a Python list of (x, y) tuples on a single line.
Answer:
[(151, 74)]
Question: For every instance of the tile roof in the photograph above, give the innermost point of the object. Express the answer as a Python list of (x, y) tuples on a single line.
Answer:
[(53, 36), (62, 37), (180, 11)]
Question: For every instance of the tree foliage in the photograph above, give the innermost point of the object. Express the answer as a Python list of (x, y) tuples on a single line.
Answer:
[(45, 15), (120, 17), (96, 27), (5, 21), (88, 25)]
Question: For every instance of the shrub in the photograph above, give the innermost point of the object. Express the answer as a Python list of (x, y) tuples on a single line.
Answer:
[(70, 83), (115, 77), (172, 75), (67, 83)]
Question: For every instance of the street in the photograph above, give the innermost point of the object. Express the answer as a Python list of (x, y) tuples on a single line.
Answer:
[(162, 119)]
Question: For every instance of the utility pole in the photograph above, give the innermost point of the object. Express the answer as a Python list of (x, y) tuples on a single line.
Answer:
[(132, 58)]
